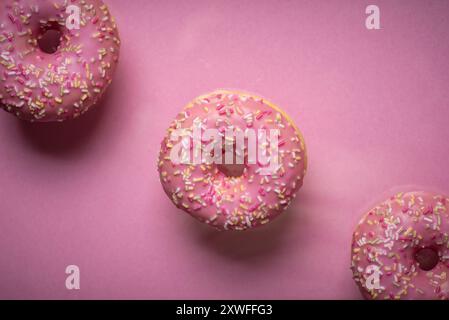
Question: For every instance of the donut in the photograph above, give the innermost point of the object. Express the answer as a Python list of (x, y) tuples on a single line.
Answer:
[(400, 248), (53, 67), (226, 193)]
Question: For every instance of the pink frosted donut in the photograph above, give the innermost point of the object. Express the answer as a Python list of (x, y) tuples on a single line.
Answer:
[(64, 81), (400, 249), (232, 195)]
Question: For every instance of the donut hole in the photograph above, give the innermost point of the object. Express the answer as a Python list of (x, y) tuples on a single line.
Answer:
[(50, 40), (427, 258), (231, 170)]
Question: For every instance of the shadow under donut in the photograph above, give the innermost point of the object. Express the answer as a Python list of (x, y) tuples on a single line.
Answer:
[(58, 138), (251, 246)]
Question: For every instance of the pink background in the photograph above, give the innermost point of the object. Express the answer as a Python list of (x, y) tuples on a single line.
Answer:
[(373, 107)]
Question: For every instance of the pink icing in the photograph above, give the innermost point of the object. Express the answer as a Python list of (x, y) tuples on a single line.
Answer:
[(38, 86), (229, 202), (392, 236)]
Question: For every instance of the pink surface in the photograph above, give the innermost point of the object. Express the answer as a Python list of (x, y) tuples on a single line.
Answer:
[(372, 105)]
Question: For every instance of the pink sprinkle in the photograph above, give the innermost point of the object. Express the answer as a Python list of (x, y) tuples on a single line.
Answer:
[(11, 17), (260, 115), (253, 208), (281, 143), (260, 164), (428, 210)]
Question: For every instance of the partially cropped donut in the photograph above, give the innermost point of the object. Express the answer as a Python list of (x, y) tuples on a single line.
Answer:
[(233, 195), (400, 248), (43, 86)]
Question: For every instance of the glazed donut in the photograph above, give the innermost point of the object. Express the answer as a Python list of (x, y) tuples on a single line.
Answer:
[(400, 248), (233, 195), (41, 86)]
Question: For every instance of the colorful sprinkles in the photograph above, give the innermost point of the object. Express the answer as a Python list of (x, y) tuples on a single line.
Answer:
[(389, 238), (224, 201), (36, 86)]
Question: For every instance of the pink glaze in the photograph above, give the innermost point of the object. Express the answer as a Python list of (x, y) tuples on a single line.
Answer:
[(38, 86), (392, 235), (229, 202)]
